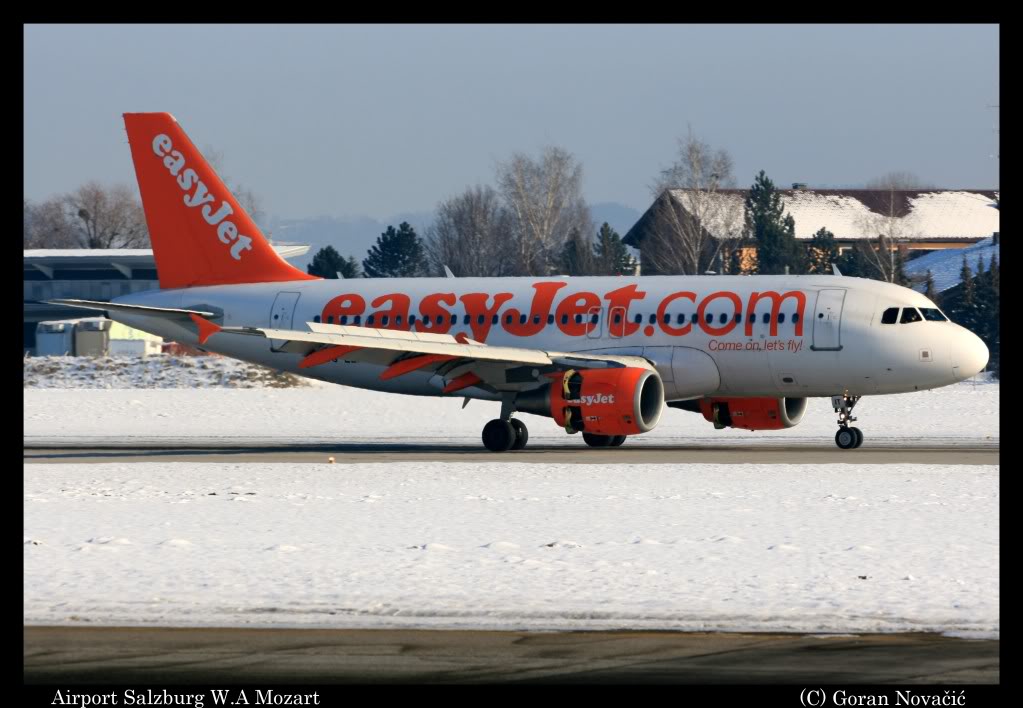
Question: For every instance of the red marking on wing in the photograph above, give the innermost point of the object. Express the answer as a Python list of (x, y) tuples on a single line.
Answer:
[(463, 381), (406, 366), (206, 328), (322, 356)]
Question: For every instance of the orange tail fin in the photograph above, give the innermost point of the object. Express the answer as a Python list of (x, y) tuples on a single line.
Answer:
[(200, 234)]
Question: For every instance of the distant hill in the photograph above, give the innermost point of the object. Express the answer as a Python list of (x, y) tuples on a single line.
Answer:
[(355, 235)]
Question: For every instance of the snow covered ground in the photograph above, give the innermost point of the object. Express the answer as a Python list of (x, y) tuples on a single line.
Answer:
[(164, 371), (965, 413), (689, 547)]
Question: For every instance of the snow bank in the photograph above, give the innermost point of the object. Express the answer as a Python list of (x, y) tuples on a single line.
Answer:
[(799, 548), (67, 372)]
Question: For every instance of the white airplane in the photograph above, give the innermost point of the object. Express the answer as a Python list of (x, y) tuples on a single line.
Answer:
[(600, 355)]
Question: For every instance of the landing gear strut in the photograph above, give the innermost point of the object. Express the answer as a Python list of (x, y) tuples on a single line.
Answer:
[(847, 437)]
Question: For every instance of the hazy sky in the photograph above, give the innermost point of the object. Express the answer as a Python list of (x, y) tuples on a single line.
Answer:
[(376, 120)]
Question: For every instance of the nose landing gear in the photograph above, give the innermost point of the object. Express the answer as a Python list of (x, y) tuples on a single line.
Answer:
[(847, 437)]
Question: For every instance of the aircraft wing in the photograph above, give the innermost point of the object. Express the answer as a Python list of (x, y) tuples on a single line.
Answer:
[(170, 312), (458, 361)]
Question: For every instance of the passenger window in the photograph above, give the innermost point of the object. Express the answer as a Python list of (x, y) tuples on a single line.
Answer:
[(536, 319), (316, 319), (766, 318), (578, 319), (330, 319), (397, 320), (480, 319), (564, 319), (681, 319), (618, 318), (781, 316), (383, 320), (594, 319), (890, 316), (411, 320), (522, 318), (370, 320), (454, 319), (507, 319), (357, 320), (639, 319), (494, 320), (795, 317), (653, 318), (710, 318), (933, 314), (723, 318), (426, 320), (693, 318), (909, 314), (466, 320), (667, 318), (738, 317), (550, 319)]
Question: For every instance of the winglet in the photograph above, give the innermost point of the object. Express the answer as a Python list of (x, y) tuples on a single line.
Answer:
[(206, 328)]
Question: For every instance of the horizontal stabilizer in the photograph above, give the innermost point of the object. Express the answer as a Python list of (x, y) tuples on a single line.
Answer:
[(171, 312)]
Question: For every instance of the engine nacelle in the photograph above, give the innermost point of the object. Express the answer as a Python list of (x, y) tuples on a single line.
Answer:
[(753, 413), (618, 401)]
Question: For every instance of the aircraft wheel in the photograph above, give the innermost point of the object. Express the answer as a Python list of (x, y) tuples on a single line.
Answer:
[(521, 434), (498, 435), (845, 438), (859, 437), (597, 440), (617, 440)]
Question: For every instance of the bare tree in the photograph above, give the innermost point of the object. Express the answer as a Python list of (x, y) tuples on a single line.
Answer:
[(545, 199), (472, 235), (889, 217), (47, 225), (692, 218), (106, 217)]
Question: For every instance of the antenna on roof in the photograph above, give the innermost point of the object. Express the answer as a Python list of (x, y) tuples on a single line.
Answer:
[(448, 273), (835, 270)]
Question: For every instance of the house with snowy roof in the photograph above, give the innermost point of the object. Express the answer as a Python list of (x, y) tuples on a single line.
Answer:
[(914, 220)]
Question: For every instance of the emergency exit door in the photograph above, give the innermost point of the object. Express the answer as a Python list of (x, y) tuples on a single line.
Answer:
[(282, 316), (827, 321)]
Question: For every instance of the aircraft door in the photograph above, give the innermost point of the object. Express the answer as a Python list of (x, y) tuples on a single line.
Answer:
[(616, 322), (594, 322), (827, 321), (282, 316)]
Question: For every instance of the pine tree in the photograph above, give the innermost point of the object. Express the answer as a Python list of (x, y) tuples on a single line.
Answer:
[(993, 274), (966, 283), (350, 268), (931, 292), (612, 256), (575, 257), (821, 252), (327, 263), (773, 231), (397, 254)]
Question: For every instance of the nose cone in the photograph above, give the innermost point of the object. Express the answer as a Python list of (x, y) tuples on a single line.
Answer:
[(969, 355)]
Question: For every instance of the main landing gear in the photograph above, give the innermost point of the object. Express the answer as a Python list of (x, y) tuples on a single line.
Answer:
[(503, 435), (847, 437)]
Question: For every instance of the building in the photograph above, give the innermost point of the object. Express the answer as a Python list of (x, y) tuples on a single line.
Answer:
[(915, 220), (85, 274)]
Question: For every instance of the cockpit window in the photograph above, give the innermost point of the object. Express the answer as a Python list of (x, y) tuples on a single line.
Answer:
[(910, 314), (933, 314), (890, 316)]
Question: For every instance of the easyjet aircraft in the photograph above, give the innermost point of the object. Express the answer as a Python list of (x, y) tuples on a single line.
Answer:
[(600, 355)]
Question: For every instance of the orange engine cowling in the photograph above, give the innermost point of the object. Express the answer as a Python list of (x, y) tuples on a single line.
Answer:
[(617, 401), (753, 413)]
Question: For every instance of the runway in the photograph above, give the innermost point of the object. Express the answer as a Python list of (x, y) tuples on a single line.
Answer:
[(823, 454), (269, 656)]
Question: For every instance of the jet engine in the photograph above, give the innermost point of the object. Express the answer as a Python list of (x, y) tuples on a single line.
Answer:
[(615, 401), (748, 413)]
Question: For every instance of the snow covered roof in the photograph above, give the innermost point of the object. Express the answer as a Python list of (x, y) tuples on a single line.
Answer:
[(946, 264), (861, 213)]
